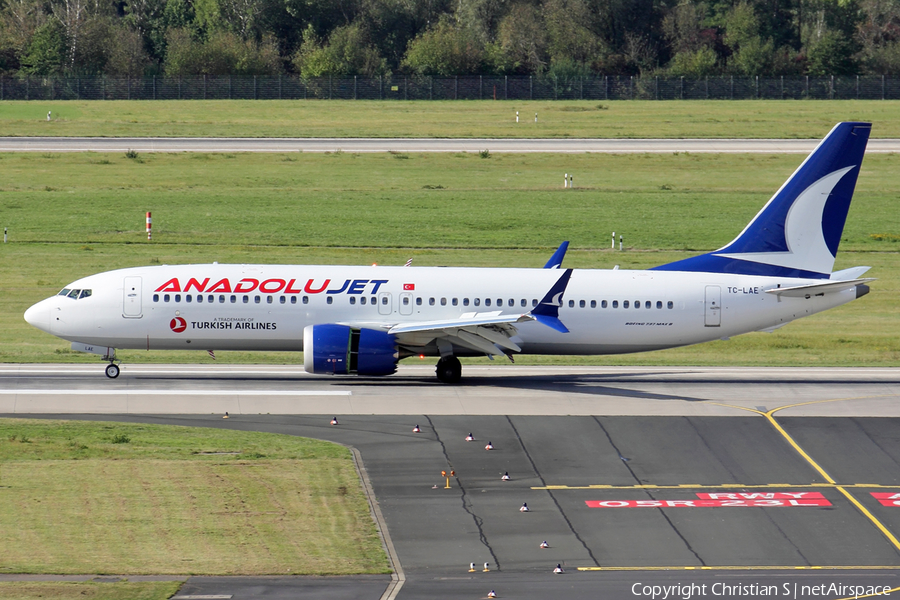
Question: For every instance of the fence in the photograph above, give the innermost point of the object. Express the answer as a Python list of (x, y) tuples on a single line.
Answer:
[(455, 88)]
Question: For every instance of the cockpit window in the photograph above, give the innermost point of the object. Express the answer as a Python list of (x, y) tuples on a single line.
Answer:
[(84, 294), (65, 292), (74, 294)]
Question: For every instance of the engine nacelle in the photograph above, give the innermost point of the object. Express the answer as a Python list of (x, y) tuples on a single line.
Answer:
[(342, 350)]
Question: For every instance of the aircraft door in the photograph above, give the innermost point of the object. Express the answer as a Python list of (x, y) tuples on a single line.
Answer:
[(131, 298), (406, 303), (384, 303), (713, 310)]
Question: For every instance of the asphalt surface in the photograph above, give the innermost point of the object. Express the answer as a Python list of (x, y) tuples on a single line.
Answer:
[(558, 463), (83, 144)]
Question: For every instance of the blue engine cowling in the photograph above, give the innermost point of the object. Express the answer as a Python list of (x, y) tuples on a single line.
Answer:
[(342, 350)]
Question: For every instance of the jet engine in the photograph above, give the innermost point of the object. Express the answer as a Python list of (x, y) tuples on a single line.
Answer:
[(342, 350)]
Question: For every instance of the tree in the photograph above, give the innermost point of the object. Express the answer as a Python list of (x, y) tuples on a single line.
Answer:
[(126, 56), (694, 64), (522, 39), (346, 53), (569, 36), (223, 53), (830, 54), (444, 51), (46, 54)]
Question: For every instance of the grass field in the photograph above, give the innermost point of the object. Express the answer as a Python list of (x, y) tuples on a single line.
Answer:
[(45, 590), (454, 119), (75, 214), (132, 499)]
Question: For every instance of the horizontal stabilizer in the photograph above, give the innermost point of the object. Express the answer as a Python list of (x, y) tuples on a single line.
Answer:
[(851, 273), (815, 289)]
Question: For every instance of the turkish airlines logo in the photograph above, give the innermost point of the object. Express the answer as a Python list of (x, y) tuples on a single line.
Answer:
[(178, 325)]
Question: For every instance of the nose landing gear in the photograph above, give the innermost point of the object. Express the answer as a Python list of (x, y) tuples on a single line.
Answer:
[(448, 370)]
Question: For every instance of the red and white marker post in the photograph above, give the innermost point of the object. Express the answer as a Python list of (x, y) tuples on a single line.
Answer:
[(149, 225)]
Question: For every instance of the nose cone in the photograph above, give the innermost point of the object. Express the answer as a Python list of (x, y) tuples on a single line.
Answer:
[(39, 315)]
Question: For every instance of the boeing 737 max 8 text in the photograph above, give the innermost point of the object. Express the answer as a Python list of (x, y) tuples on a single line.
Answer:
[(361, 320)]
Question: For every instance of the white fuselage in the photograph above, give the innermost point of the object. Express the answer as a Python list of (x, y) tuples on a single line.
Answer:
[(266, 307)]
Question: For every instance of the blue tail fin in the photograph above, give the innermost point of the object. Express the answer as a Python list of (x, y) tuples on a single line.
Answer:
[(798, 231)]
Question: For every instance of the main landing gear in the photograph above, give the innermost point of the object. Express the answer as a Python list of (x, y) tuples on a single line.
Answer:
[(112, 370), (449, 370)]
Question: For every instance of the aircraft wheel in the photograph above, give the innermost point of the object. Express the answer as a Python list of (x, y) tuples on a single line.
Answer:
[(112, 371), (449, 370)]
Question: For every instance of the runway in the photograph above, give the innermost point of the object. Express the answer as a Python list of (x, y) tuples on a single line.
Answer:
[(755, 478), (359, 145)]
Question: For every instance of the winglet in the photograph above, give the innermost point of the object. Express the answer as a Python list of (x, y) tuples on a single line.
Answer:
[(547, 310), (555, 261)]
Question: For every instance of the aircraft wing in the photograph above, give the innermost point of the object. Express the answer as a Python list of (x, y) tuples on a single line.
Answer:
[(487, 332)]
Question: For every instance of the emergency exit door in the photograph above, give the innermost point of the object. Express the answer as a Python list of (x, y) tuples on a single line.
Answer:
[(131, 300)]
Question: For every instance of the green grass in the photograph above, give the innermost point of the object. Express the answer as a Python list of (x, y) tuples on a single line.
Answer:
[(455, 119), (132, 499), (458, 209), (48, 590)]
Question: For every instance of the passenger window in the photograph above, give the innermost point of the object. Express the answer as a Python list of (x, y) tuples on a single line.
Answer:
[(362, 300), (418, 302), (511, 302), (269, 299), (476, 301), (487, 301), (533, 302), (199, 298), (329, 300), (405, 300), (293, 299), (246, 299), (305, 299), (670, 304), (84, 294), (165, 298), (222, 299), (384, 300), (177, 297), (256, 299), (431, 302), (593, 304), (156, 297), (187, 298), (637, 303), (282, 299), (647, 304), (499, 302), (455, 302), (571, 304), (465, 301), (210, 298), (625, 304), (443, 302), (603, 304), (524, 303), (616, 304), (233, 298), (352, 299), (581, 303)]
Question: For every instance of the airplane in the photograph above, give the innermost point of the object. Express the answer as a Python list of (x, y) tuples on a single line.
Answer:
[(362, 320)]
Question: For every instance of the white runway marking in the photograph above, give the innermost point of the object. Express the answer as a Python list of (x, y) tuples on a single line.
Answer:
[(197, 392)]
